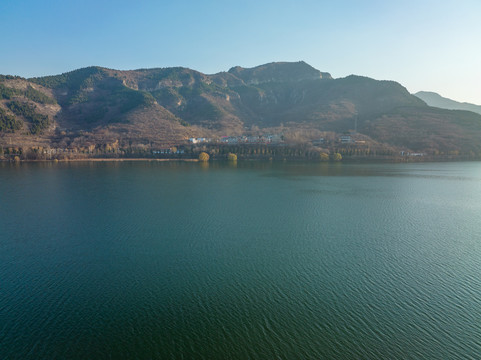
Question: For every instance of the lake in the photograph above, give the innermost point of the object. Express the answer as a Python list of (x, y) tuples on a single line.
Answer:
[(147, 260)]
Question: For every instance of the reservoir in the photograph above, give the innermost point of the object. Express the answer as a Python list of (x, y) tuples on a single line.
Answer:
[(248, 260)]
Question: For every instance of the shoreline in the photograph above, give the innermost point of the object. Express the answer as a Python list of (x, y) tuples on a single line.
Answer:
[(102, 160), (119, 160), (345, 161)]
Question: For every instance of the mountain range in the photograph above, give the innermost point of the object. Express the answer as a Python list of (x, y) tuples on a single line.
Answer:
[(436, 100), (166, 106)]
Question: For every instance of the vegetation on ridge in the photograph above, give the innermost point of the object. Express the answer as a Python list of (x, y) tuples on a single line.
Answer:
[(30, 93), (39, 122), (8, 122)]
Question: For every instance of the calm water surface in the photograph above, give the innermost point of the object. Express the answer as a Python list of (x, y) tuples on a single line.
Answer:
[(247, 261)]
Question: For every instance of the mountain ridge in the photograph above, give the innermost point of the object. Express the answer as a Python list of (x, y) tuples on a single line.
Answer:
[(166, 106), (436, 100)]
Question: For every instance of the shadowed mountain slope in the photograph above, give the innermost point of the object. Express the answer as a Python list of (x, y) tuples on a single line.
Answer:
[(436, 100)]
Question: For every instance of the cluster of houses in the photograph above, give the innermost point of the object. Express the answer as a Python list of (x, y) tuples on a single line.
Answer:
[(268, 139), (261, 139), (407, 153), (242, 139), (343, 139), (199, 140), (169, 151)]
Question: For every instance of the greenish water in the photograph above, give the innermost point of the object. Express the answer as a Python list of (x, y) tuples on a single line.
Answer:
[(247, 261)]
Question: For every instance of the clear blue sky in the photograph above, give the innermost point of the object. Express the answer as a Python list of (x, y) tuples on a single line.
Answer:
[(423, 44)]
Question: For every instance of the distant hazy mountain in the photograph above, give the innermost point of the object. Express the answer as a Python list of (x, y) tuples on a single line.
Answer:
[(160, 106), (436, 100)]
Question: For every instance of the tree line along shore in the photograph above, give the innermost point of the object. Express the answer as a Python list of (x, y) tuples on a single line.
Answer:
[(303, 152)]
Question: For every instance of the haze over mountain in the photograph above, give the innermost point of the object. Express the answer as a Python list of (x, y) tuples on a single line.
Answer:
[(165, 106), (436, 100)]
